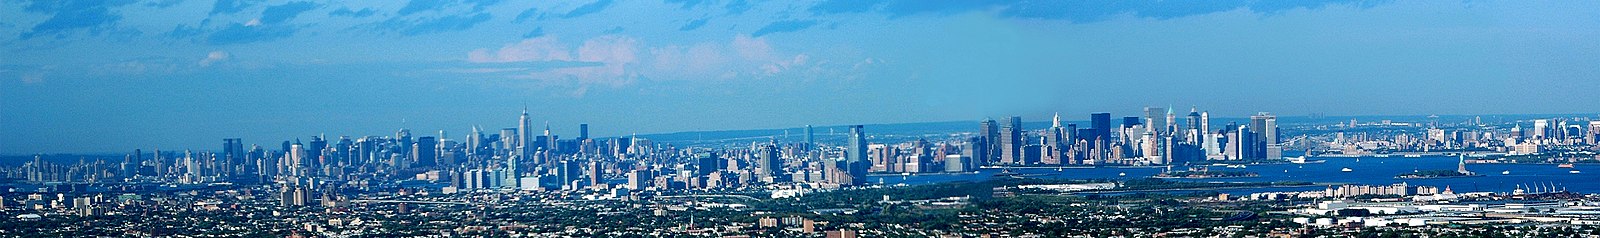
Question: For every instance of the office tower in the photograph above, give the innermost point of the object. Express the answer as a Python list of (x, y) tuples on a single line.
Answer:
[(583, 131), (1010, 149), (1205, 122), (1541, 129), (1012, 141), (705, 163), (1264, 127), (768, 163), (1192, 132), (1053, 148), (233, 150), (345, 147), (424, 153), (810, 140), (403, 139), (1071, 133), (596, 174), (975, 148), (1593, 137), (314, 153), (955, 163), (514, 170), (1157, 120), (856, 155), (191, 167), (568, 171), (297, 159), (548, 141), (638, 179), (990, 132), (1101, 124), (474, 140), (508, 141), (1057, 132)]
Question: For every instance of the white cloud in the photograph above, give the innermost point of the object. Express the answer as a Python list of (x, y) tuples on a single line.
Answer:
[(215, 57), (617, 60), (545, 48), (613, 54)]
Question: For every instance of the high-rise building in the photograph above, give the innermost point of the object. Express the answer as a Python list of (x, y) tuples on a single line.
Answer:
[(314, 153), (1157, 119), (474, 141), (1010, 149), (856, 155), (810, 140), (297, 159), (1264, 126), (1101, 124), (768, 164), (524, 135), (1541, 129), (1012, 141), (583, 131), (990, 132), (424, 153), (975, 148), (1593, 137), (233, 150)]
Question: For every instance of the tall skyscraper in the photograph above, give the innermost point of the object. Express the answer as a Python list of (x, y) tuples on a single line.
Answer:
[(1101, 124), (856, 155), (1157, 118), (1264, 126), (975, 148), (425, 152), (1010, 150), (314, 153), (403, 138), (474, 141), (1011, 141), (297, 159), (233, 150), (525, 135), (810, 139), (583, 131), (768, 163), (990, 132)]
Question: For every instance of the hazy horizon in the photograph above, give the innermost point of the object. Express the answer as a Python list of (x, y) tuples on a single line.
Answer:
[(107, 76)]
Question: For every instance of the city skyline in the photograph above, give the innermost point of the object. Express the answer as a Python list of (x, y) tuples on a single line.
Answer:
[(91, 76), (522, 123), (812, 118)]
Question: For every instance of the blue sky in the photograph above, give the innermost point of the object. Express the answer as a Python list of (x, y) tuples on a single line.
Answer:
[(108, 76)]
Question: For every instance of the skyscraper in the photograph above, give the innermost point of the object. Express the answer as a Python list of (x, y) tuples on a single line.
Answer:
[(767, 161), (297, 159), (1264, 126), (990, 132), (1101, 124), (1010, 151), (1011, 141), (1157, 118), (525, 135), (810, 140), (425, 152), (233, 151), (583, 131), (856, 155)]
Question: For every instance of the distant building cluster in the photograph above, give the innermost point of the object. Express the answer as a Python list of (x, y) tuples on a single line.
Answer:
[(1555, 137)]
